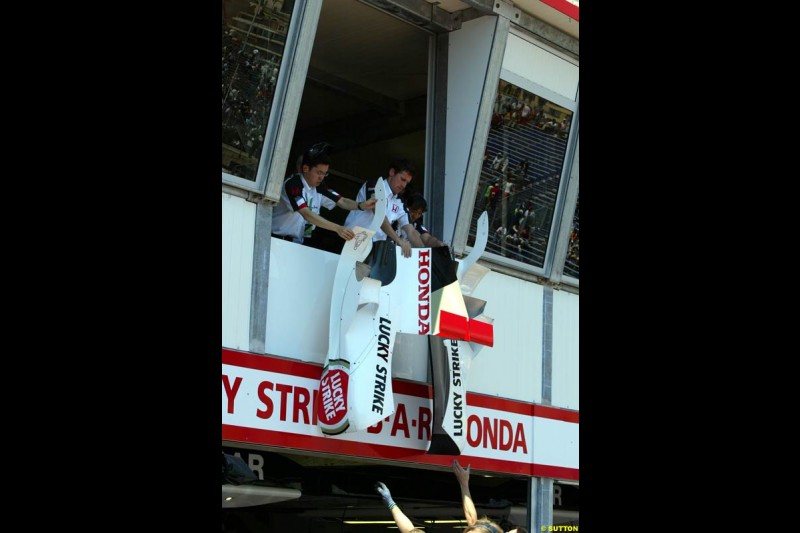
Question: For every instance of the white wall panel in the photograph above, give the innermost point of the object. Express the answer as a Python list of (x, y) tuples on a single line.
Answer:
[(541, 66), (565, 350), (512, 368), (238, 231), (299, 305), (555, 443), (466, 70)]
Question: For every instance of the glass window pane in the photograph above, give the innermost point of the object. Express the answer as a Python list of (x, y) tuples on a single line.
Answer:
[(521, 173), (253, 39), (571, 265)]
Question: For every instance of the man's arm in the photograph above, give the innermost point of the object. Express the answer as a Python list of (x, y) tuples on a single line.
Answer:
[(413, 236), (352, 205), (403, 244), (462, 475), (403, 523), (313, 218), (431, 241)]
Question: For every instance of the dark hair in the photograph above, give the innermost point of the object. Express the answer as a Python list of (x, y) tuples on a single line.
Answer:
[(317, 155), (415, 201), (320, 158), (401, 165)]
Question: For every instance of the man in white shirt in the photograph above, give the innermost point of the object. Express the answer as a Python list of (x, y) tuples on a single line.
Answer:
[(303, 194), (401, 172)]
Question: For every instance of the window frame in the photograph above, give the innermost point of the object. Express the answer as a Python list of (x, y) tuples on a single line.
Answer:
[(283, 115), (547, 269), (556, 274)]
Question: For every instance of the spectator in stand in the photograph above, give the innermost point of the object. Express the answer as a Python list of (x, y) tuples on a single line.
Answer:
[(523, 169), (504, 164), (518, 217), (303, 194), (498, 159), (494, 195), (500, 234), (538, 114), (508, 188), (563, 128), (525, 114), (485, 198), (530, 217), (497, 121)]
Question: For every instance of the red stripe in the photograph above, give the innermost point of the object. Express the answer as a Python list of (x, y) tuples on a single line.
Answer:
[(568, 8), (545, 411), (410, 388), (481, 332), (499, 404), (521, 408), (280, 439), (556, 472), (453, 326), (271, 364)]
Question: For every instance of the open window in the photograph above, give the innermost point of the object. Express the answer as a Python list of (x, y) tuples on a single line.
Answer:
[(253, 47), (521, 174)]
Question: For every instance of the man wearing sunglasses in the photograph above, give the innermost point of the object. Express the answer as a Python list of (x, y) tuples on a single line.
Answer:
[(303, 194)]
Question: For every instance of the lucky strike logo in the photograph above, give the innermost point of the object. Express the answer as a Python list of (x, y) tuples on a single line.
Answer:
[(332, 398)]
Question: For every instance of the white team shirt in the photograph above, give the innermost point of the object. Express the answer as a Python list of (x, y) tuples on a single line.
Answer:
[(394, 209), (295, 195)]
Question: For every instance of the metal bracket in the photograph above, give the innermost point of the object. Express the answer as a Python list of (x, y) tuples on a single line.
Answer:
[(506, 9)]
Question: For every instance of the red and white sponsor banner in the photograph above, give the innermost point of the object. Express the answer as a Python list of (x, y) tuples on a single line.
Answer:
[(271, 402)]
